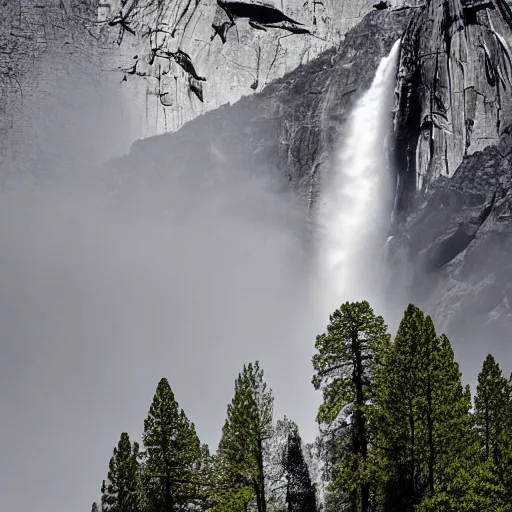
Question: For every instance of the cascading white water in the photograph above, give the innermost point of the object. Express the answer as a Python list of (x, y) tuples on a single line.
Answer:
[(357, 199)]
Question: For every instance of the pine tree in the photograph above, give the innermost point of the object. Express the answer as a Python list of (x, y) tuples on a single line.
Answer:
[(300, 492), (493, 421), (94, 507), (424, 438), (506, 443), (454, 440), (247, 430), (173, 456), (398, 386), (121, 490), (491, 402), (344, 365), (228, 493)]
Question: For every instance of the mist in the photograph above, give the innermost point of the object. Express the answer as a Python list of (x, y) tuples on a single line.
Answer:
[(121, 264), (113, 276), (357, 199)]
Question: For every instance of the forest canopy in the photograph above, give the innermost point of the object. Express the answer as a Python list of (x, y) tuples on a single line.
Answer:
[(398, 431)]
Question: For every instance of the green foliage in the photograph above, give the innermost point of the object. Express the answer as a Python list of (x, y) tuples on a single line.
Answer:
[(121, 491), (173, 458), (397, 434), (493, 420), (247, 429), (300, 492), (491, 404), (348, 355), (424, 439)]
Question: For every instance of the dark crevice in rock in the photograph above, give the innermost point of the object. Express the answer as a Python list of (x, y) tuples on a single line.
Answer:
[(381, 5), (222, 30), (450, 247), (259, 13), (197, 88)]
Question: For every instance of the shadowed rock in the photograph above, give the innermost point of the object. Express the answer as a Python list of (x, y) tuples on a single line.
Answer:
[(455, 83), (256, 12)]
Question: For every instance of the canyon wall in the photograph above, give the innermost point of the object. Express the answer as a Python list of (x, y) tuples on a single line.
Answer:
[(454, 88), (182, 58)]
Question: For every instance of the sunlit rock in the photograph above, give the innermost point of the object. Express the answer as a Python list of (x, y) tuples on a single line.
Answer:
[(236, 46)]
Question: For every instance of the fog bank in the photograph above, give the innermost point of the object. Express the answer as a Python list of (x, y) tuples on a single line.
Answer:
[(113, 277)]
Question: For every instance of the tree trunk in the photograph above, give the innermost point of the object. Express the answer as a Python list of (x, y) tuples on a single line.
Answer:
[(430, 426), (262, 502), (412, 455), (360, 420), (487, 429)]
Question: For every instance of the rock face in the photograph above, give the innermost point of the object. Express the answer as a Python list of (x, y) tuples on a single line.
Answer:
[(185, 57), (452, 225), (53, 87), (452, 254), (454, 91), (293, 125)]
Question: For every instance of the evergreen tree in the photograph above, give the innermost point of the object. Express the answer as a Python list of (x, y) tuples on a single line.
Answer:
[(491, 401), (454, 441), (424, 438), (300, 492), (94, 507), (493, 421), (345, 364), (229, 493), (173, 458), (121, 490), (247, 430), (398, 387)]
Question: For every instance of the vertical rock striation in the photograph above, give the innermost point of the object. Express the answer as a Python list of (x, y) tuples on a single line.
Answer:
[(454, 90), (196, 55)]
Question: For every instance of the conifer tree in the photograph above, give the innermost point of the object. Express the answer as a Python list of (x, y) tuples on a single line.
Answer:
[(493, 419), (94, 507), (247, 430), (505, 469), (424, 435), (173, 456), (344, 366), (300, 492), (398, 387), (121, 490), (454, 441), (491, 402)]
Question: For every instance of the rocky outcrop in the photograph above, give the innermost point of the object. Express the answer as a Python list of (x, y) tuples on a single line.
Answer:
[(182, 58), (41, 44), (452, 254), (292, 126), (454, 90)]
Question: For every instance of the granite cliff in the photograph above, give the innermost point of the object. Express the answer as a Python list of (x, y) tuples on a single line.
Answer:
[(307, 64), (182, 58), (292, 126), (451, 233), (454, 87)]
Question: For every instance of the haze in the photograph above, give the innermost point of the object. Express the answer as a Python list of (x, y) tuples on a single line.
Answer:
[(107, 285)]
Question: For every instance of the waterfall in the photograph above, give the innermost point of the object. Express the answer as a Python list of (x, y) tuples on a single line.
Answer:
[(357, 199)]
